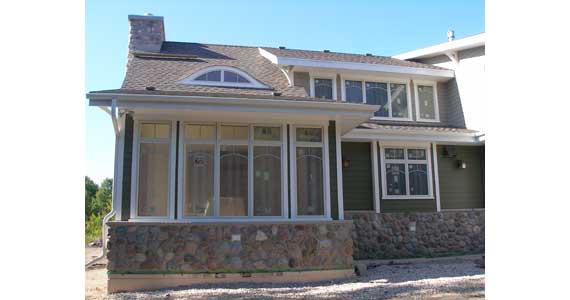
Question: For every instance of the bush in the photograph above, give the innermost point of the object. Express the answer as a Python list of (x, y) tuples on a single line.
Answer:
[(97, 205)]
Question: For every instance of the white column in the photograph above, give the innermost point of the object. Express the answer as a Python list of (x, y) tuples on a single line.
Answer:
[(339, 174), (375, 177), (436, 176)]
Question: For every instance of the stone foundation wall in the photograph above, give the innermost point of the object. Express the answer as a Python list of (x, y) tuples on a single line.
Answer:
[(228, 247), (402, 235)]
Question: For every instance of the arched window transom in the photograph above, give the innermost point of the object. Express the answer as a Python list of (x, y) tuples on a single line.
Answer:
[(223, 76)]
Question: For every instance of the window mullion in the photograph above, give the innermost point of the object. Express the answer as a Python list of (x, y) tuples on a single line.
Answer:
[(217, 171), (389, 99), (250, 186), (364, 91)]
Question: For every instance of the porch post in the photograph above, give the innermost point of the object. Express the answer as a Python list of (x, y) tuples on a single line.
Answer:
[(339, 174), (375, 177), (436, 176)]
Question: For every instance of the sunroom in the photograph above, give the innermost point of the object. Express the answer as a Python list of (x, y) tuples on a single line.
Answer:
[(204, 184)]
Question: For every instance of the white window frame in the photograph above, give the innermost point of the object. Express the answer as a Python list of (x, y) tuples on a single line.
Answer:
[(135, 167), (326, 173), (331, 76), (406, 161), (219, 142), (253, 83), (435, 104), (388, 81)]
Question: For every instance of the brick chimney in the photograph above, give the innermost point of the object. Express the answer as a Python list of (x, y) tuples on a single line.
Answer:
[(146, 33)]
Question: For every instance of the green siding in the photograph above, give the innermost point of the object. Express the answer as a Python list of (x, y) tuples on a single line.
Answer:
[(127, 164), (462, 188), (332, 169), (408, 205), (357, 177)]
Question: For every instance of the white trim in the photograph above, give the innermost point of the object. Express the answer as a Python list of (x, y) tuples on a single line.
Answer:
[(331, 76), (253, 83), (329, 64), (339, 180), (436, 177), (406, 161), (435, 101), (459, 138), (326, 174), (375, 177), (456, 45), (171, 141)]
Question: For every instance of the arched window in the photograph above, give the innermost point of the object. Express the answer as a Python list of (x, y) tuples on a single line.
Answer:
[(223, 76)]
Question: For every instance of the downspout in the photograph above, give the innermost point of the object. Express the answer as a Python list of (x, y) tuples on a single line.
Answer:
[(107, 217)]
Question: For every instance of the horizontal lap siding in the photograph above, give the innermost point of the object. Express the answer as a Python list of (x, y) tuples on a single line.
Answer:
[(357, 178), (462, 188)]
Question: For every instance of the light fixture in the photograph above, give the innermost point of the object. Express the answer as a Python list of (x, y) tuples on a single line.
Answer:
[(461, 164), (345, 163)]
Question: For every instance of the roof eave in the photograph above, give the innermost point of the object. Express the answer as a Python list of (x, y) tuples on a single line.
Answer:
[(328, 64), (440, 49), (467, 138)]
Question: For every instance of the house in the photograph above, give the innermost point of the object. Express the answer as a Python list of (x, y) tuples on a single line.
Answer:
[(238, 163)]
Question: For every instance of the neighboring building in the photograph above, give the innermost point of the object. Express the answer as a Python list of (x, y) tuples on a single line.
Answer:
[(235, 159), (466, 57)]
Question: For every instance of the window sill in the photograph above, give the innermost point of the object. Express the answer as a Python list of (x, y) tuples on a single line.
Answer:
[(428, 121), (392, 119), (407, 198)]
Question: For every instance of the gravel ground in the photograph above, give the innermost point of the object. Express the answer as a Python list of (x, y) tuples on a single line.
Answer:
[(445, 279)]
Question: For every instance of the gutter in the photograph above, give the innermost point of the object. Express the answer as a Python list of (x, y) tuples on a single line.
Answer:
[(116, 176)]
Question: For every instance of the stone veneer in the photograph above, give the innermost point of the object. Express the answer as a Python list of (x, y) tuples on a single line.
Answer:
[(137, 247), (392, 235)]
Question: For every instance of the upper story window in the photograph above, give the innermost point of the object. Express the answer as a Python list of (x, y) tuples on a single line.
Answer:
[(323, 87), (426, 102), (393, 97), (223, 76)]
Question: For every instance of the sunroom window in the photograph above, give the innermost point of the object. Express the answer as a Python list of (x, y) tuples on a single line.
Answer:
[(153, 170), (223, 76), (244, 162), (406, 172), (309, 171)]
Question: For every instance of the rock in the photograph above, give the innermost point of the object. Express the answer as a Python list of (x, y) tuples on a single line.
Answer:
[(260, 236), (139, 257), (361, 269), (96, 243), (480, 263)]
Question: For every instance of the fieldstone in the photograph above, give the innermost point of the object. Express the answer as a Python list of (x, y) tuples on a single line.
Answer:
[(260, 236), (139, 257), (325, 244)]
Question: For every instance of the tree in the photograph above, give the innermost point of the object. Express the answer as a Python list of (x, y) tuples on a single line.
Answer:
[(90, 192), (102, 203)]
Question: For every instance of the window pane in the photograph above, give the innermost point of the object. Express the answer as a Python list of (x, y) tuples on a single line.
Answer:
[(417, 154), (418, 179), (267, 133), (309, 135), (210, 76), (393, 153), (310, 181), (233, 180), (426, 99), (201, 132), (242, 79), (267, 181), (235, 132), (155, 130), (377, 94), (399, 100), (353, 91), (199, 181), (323, 88), (230, 76), (153, 180), (396, 179)]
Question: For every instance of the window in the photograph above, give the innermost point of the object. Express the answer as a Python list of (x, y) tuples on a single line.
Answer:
[(406, 172), (323, 88), (243, 161), (309, 172), (426, 102), (392, 98), (153, 171), (223, 76)]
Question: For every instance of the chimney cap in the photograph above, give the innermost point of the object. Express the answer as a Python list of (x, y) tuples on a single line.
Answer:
[(145, 17), (450, 35)]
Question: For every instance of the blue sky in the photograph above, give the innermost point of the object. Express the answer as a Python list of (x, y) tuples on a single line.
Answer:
[(378, 27)]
